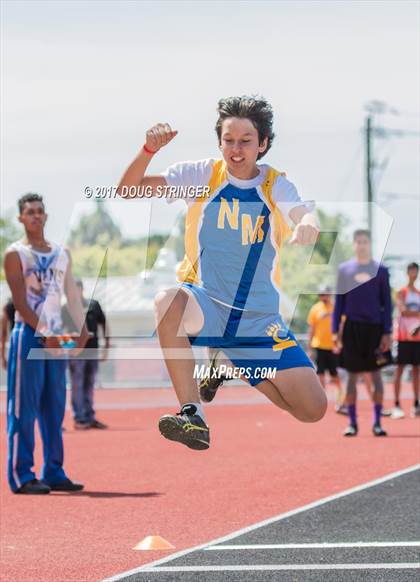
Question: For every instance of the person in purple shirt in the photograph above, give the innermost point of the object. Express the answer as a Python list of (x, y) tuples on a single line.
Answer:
[(362, 325)]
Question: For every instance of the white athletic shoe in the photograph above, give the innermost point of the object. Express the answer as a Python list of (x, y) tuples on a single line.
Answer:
[(386, 412), (397, 412), (341, 409), (415, 411)]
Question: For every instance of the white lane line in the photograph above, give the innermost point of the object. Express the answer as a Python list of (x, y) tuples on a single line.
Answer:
[(391, 566), (315, 546), (265, 522)]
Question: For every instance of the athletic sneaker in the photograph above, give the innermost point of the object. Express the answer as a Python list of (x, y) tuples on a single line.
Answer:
[(378, 430), (67, 485), (33, 487), (209, 386), (81, 425), (397, 412), (415, 411), (98, 424), (342, 409), (186, 427), (351, 430), (386, 412)]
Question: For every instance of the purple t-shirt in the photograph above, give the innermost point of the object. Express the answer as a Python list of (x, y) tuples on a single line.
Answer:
[(369, 298)]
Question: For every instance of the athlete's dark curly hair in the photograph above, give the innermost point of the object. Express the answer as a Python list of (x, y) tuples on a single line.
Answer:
[(30, 197), (254, 108)]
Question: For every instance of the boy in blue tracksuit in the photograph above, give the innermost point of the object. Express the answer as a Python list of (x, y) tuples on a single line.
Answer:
[(38, 273)]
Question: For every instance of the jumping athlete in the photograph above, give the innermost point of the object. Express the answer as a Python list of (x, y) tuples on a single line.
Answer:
[(38, 272), (228, 293)]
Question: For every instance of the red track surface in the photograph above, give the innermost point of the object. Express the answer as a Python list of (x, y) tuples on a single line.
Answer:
[(262, 462)]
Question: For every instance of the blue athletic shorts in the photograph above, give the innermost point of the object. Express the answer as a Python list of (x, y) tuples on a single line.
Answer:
[(250, 340)]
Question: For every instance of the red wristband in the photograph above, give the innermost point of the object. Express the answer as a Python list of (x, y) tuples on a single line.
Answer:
[(146, 149)]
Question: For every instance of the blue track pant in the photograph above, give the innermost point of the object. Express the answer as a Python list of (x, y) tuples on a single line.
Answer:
[(36, 389)]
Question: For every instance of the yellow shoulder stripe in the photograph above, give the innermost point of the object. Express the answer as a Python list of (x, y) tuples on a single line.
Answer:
[(188, 270), (281, 228)]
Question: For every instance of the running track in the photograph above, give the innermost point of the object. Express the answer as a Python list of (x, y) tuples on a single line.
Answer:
[(262, 463)]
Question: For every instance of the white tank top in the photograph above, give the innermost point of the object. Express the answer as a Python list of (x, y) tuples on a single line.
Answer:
[(44, 275), (408, 325), (412, 300)]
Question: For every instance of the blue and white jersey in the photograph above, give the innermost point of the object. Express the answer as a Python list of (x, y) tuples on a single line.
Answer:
[(234, 235), (44, 275)]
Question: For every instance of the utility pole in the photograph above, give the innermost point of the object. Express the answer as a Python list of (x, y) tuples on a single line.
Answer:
[(369, 189), (371, 131)]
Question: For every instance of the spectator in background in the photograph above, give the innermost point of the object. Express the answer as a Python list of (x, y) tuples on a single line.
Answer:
[(83, 370), (408, 303), (365, 342), (7, 323), (38, 272), (321, 340)]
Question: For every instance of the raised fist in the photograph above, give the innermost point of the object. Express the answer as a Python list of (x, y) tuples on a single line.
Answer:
[(159, 136), (304, 234)]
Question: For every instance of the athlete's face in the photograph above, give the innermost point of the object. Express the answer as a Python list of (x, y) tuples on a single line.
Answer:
[(412, 275), (240, 147), (33, 217), (362, 247)]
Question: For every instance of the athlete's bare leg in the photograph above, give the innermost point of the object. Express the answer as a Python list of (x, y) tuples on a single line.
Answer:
[(340, 394), (322, 380), (178, 315), (415, 372), (397, 381), (367, 379), (298, 391)]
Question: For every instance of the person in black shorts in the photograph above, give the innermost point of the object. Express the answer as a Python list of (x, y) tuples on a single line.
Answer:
[(408, 302), (363, 311)]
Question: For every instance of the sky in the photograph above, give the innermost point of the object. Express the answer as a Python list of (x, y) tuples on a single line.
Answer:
[(83, 81)]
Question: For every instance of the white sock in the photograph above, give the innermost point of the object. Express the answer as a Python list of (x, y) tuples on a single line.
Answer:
[(200, 410)]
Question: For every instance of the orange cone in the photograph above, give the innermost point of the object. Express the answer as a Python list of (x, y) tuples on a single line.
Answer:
[(153, 543)]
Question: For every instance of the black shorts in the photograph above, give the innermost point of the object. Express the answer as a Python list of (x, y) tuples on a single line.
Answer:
[(408, 353), (360, 351), (326, 360)]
